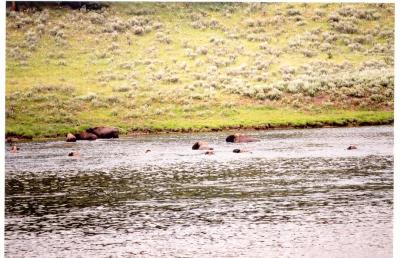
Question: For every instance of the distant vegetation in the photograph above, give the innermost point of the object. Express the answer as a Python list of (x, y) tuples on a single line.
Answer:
[(198, 66)]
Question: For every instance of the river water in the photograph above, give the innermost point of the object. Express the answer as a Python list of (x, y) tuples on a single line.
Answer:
[(296, 193)]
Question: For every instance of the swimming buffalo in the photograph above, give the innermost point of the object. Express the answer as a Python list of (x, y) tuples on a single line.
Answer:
[(74, 154), (103, 132), (237, 138), (201, 146), (240, 150), (352, 147), (85, 136), (14, 148)]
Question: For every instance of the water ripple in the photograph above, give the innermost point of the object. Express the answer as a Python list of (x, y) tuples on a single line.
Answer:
[(298, 192)]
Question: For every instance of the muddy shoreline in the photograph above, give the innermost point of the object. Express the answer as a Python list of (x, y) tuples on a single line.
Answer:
[(12, 137)]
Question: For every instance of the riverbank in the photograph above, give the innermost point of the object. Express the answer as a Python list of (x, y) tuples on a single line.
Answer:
[(261, 119)]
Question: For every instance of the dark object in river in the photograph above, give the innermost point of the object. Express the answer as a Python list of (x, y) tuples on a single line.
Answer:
[(86, 136), (236, 138), (14, 148), (73, 153), (240, 150), (210, 152), (70, 138), (352, 147), (147, 151), (103, 132), (201, 146)]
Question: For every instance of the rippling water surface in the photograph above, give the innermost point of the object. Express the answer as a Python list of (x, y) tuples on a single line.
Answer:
[(297, 193)]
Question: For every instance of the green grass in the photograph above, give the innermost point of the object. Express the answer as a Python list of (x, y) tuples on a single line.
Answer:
[(49, 96), (245, 117)]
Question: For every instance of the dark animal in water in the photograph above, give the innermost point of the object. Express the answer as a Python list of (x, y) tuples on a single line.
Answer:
[(237, 138), (201, 146), (14, 148), (352, 147), (240, 150), (74, 153)]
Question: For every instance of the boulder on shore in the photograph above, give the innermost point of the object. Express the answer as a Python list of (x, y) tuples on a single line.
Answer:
[(86, 136), (70, 138), (103, 132)]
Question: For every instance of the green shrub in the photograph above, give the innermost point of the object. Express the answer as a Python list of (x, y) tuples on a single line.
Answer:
[(274, 94), (349, 27), (89, 97), (293, 12)]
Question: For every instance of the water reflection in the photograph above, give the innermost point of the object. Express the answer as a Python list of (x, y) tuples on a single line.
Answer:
[(117, 199)]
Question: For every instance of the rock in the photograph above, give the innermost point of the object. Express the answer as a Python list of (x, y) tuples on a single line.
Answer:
[(13, 137), (103, 132), (11, 140), (352, 147), (86, 136), (70, 138)]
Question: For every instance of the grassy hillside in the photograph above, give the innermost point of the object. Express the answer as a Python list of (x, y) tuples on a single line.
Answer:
[(196, 66)]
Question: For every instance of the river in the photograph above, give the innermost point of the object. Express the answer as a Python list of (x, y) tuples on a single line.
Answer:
[(296, 193)]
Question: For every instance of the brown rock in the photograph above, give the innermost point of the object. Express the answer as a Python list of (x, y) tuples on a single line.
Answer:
[(70, 138), (11, 140), (103, 132), (86, 136)]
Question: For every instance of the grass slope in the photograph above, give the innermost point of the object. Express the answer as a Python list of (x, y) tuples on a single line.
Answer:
[(198, 66)]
